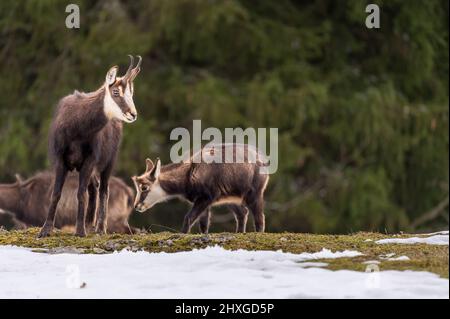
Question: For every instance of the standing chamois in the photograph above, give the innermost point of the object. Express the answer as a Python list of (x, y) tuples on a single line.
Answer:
[(85, 136), (239, 184)]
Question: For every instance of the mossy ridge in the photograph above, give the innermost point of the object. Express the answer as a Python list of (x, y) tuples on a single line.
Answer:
[(422, 257)]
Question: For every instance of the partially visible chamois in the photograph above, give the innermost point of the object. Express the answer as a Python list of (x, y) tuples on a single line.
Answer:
[(85, 135), (239, 184), (28, 202)]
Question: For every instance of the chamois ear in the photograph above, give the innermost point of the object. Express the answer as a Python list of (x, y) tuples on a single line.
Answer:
[(134, 179), (19, 179), (111, 75), (149, 165), (157, 169)]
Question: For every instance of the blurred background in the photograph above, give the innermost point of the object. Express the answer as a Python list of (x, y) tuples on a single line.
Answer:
[(362, 113)]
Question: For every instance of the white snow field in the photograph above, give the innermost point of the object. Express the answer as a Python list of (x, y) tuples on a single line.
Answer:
[(439, 238), (207, 273)]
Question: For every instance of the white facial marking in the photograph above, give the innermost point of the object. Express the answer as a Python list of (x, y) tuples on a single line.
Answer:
[(156, 195), (128, 96), (111, 109)]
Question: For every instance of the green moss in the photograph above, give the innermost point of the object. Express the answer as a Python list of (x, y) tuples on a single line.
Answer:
[(422, 257)]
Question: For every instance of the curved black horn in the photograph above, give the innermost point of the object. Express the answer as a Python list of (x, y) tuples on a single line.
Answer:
[(130, 68), (139, 62)]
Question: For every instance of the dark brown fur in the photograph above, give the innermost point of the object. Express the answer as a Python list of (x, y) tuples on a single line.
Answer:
[(83, 138), (29, 200), (206, 185)]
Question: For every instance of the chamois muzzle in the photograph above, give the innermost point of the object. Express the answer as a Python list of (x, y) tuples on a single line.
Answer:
[(130, 117), (140, 207)]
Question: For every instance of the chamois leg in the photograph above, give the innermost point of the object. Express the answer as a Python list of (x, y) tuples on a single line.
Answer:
[(256, 205), (122, 228), (191, 217), (92, 204), (241, 216), (60, 177), (84, 180), (100, 227), (204, 221), (127, 229)]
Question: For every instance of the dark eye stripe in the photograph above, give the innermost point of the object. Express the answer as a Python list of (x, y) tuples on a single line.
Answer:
[(144, 187), (143, 196)]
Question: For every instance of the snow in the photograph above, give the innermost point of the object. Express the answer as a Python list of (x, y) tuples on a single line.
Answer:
[(399, 258), (207, 273), (444, 232), (391, 257), (440, 238), (371, 262), (312, 264)]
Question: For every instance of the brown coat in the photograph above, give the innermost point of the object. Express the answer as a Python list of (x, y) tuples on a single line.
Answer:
[(240, 185), (29, 200)]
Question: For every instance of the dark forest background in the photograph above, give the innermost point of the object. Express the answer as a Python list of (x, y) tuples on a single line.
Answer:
[(362, 113)]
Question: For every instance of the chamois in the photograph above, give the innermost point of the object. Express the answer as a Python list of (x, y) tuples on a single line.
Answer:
[(240, 184), (28, 201), (85, 136)]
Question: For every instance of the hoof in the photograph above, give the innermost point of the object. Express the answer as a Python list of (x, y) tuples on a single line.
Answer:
[(45, 232), (80, 234), (100, 231), (100, 228), (90, 229), (80, 230)]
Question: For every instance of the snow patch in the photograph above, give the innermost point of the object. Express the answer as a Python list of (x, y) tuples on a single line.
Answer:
[(391, 257), (371, 262), (399, 258), (312, 264), (207, 273), (438, 239), (444, 232)]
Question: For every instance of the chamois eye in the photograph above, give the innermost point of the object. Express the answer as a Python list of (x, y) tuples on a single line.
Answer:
[(144, 188), (115, 92)]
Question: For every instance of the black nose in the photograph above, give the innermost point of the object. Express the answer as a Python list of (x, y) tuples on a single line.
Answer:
[(133, 115)]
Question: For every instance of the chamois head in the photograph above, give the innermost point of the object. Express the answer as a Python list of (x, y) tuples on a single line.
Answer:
[(148, 188), (118, 101)]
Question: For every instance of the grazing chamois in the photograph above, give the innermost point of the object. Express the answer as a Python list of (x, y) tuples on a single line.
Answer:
[(28, 201), (240, 184), (85, 136)]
